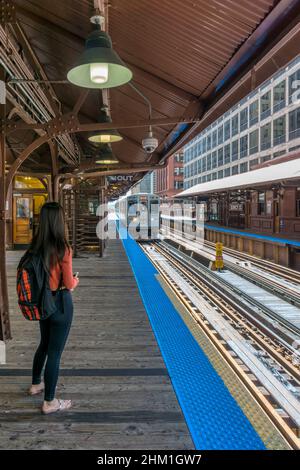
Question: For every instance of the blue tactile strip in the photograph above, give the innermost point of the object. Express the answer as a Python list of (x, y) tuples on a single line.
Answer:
[(214, 418), (283, 241)]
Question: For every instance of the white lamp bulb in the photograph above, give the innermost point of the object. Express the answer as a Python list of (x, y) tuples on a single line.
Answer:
[(99, 73)]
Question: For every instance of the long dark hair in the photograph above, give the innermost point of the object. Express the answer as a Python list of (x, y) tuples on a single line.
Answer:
[(50, 241)]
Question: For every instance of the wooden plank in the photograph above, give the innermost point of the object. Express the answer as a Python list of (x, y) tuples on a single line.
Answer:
[(112, 369)]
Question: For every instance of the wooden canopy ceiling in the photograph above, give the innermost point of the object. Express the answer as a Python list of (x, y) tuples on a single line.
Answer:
[(185, 55)]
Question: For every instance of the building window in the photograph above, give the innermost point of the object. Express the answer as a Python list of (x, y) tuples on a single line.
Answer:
[(214, 176), (253, 142), (214, 139), (178, 170), (279, 96), (253, 163), (227, 172), (243, 167), (244, 119), (199, 148), (220, 157), (220, 135), (261, 203), (208, 164), (179, 157), (204, 145), (234, 125), (227, 130), (294, 124), (294, 85), (209, 177), (279, 131), (227, 153), (214, 160), (265, 137), (208, 142), (235, 150), (204, 179), (203, 166), (194, 152), (278, 154), (253, 113), (244, 146), (265, 105), (235, 170), (220, 174), (266, 158), (178, 184)]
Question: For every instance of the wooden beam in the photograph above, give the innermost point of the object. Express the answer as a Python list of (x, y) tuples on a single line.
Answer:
[(80, 101), (22, 157), (97, 126)]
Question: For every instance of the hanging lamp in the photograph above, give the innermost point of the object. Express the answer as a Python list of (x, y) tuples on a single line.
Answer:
[(105, 136), (106, 157), (99, 66)]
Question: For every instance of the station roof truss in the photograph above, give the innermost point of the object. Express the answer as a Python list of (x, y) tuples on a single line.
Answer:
[(192, 60)]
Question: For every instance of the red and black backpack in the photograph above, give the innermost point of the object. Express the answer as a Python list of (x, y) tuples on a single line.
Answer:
[(35, 298)]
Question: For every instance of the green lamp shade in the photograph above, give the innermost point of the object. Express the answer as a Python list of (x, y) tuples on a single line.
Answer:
[(107, 160), (106, 136), (106, 157), (99, 65)]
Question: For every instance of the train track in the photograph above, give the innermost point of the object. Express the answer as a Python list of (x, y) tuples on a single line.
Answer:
[(241, 333), (273, 279)]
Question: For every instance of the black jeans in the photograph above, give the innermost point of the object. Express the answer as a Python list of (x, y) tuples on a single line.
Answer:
[(54, 334)]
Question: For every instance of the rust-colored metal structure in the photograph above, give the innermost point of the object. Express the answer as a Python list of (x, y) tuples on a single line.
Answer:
[(191, 59)]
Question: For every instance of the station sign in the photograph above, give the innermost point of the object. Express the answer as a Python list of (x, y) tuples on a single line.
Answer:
[(119, 178)]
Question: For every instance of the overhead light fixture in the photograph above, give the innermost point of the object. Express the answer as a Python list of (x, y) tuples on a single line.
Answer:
[(106, 136), (106, 157), (99, 66)]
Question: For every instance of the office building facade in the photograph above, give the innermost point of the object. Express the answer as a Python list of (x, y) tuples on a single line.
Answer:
[(262, 126)]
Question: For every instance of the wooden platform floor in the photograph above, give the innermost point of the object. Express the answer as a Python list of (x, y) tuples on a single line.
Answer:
[(112, 369)]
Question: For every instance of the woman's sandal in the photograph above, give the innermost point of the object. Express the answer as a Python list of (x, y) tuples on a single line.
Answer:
[(63, 405), (31, 393)]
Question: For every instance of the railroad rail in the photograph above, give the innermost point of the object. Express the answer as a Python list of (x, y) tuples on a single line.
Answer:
[(260, 356), (273, 279)]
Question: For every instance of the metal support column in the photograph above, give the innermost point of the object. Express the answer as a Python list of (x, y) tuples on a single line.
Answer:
[(5, 333)]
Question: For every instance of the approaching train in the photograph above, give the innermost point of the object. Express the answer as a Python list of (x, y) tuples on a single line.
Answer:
[(139, 213)]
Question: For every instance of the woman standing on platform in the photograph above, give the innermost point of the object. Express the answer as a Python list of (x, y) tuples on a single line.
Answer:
[(51, 243)]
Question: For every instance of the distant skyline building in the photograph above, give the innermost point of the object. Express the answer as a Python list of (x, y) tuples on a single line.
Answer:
[(262, 126), (145, 185)]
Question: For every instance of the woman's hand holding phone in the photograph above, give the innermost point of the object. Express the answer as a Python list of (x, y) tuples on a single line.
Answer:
[(76, 276)]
